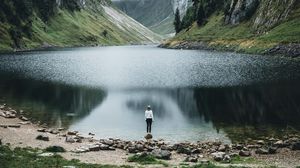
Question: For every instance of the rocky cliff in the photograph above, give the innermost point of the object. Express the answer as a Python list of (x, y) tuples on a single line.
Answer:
[(154, 14), (251, 26), (27, 24)]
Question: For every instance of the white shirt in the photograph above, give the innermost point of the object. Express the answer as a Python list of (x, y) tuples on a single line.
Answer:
[(149, 114)]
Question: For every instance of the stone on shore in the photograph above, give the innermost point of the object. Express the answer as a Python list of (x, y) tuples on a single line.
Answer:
[(161, 154), (262, 151), (70, 139), (42, 137), (218, 156), (295, 146), (72, 132), (245, 153), (148, 136)]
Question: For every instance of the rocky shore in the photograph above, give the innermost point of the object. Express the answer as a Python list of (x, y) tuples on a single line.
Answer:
[(289, 50), (17, 130)]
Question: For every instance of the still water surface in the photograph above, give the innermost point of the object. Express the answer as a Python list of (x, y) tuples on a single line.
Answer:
[(195, 95)]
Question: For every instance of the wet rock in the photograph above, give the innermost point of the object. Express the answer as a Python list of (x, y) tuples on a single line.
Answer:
[(244, 153), (42, 137), (295, 146), (161, 154), (72, 132), (91, 134), (70, 139), (148, 136), (262, 151), (218, 156)]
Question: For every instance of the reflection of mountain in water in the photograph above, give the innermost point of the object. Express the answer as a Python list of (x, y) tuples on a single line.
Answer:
[(276, 105), (51, 103)]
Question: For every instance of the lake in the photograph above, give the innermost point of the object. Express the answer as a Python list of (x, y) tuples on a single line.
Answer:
[(195, 95)]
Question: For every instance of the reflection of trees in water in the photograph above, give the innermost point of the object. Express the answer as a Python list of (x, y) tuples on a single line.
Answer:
[(51, 103), (165, 102), (277, 105)]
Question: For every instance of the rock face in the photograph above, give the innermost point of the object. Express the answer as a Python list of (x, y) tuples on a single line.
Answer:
[(239, 10), (267, 13)]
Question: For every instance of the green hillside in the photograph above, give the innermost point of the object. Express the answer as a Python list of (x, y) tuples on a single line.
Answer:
[(271, 26), (31, 24)]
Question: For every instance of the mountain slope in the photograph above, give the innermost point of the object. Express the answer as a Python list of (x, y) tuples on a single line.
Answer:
[(251, 26), (154, 14), (67, 23)]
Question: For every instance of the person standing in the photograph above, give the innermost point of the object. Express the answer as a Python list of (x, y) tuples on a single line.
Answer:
[(149, 118)]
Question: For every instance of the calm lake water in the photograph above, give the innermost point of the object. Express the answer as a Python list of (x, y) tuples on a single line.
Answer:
[(195, 95)]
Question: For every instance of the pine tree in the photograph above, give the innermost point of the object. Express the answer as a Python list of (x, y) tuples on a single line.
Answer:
[(200, 16), (177, 21)]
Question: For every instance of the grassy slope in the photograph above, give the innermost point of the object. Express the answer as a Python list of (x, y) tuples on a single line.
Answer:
[(241, 37), (77, 28)]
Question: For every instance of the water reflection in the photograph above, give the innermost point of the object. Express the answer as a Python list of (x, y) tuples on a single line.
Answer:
[(55, 104)]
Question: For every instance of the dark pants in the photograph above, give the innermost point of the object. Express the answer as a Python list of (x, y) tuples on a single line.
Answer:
[(149, 124)]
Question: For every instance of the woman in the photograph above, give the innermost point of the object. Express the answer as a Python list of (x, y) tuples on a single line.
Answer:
[(149, 118)]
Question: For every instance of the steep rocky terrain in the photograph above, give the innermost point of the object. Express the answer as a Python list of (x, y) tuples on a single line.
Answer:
[(28, 24), (154, 14), (251, 26)]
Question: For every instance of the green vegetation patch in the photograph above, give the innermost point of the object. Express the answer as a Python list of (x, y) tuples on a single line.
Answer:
[(145, 159), (28, 157), (210, 165)]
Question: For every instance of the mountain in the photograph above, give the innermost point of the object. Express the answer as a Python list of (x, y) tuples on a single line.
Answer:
[(250, 26), (27, 24), (157, 15)]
